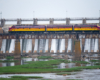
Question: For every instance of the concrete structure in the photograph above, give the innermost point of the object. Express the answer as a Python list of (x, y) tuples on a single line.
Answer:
[(50, 44), (77, 51), (51, 20)]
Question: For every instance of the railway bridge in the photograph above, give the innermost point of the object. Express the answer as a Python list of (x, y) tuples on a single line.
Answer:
[(62, 44)]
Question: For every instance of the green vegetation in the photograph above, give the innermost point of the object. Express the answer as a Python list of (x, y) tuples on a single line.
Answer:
[(42, 67), (95, 60), (81, 62), (45, 64), (97, 63), (9, 57), (45, 57)]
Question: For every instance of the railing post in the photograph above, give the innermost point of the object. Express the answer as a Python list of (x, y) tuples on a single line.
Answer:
[(35, 21), (67, 21), (2, 22), (51, 21), (84, 21), (19, 21)]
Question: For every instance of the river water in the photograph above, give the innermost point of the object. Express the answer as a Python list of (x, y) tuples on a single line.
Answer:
[(93, 74), (85, 74)]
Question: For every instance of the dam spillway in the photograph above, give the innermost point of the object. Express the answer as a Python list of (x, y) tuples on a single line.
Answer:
[(42, 45)]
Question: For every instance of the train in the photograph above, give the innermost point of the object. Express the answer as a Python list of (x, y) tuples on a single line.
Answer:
[(53, 28)]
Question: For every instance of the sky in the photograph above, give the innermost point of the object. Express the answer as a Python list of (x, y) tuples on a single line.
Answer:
[(49, 8)]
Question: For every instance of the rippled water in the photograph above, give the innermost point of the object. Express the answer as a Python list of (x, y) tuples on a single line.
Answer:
[(93, 74)]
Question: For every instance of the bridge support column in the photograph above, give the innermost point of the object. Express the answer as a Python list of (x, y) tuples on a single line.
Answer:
[(2, 22), (84, 21), (66, 45), (73, 45), (83, 42), (18, 21), (67, 21), (33, 43), (49, 45), (35, 22), (51, 21), (17, 53), (0, 45), (77, 56)]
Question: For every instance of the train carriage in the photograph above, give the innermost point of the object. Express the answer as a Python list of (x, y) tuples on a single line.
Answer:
[(86, 28), (27, 28), (61, 28)]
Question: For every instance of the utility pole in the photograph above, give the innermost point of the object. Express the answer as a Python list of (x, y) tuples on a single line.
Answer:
[(1, 14), (66, 14), (33, 14)]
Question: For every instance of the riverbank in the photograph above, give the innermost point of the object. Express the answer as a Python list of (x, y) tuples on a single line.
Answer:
[(43, 67)]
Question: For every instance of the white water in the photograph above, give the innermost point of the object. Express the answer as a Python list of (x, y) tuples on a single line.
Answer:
[(12, 46), (92, 44), (96, 45), (3, 47), (24, 44), (36, 45), (46, 45), (54, 45), (29, 45), (87, 45), (41, 45), (62, 45), (69, 45)]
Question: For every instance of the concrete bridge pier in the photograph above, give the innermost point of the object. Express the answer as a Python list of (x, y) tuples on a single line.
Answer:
[(17, 51), (77, 56), (83, 42), (49, 48), (33, 44), (0, 44), (66, 45)]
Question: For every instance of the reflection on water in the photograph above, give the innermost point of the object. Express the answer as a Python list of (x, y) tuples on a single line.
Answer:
[(19, 62), (43, 59), (24, 60), (60, 66), (71, 65), (8, 64)]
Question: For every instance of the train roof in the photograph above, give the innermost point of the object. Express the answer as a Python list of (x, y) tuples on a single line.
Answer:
[(85, 25), (29, 26), (59, 25)]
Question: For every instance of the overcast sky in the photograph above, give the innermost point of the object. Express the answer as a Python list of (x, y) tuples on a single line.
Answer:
[(49, 8)]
